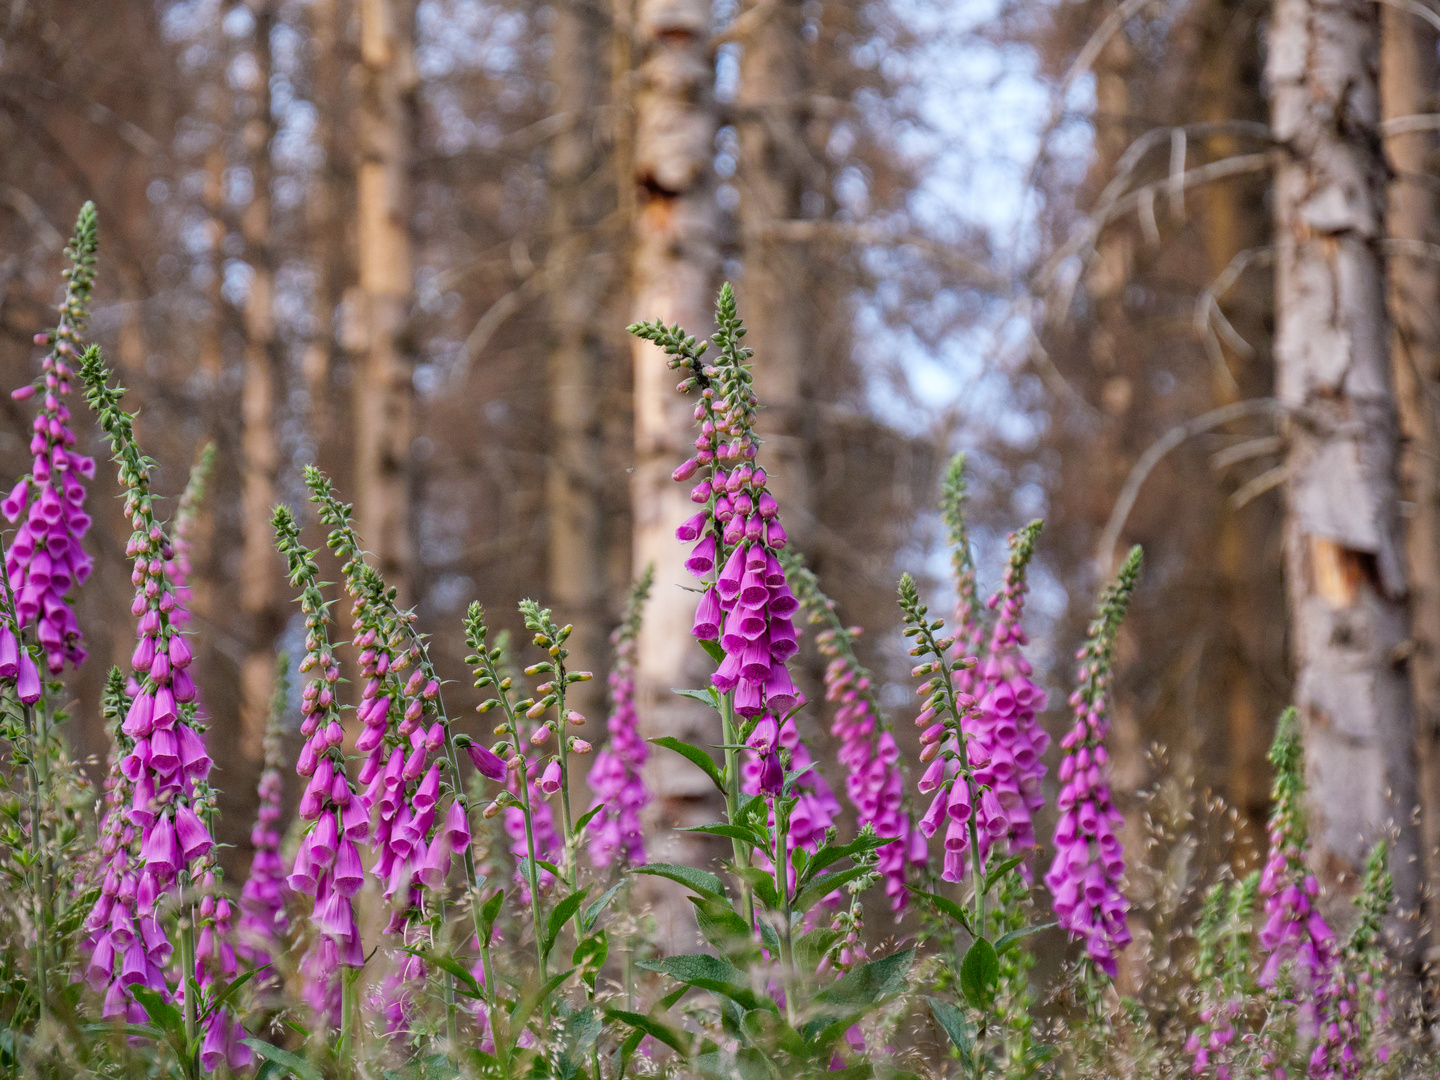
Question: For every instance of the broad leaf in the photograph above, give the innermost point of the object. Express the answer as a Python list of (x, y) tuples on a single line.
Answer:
[(829, 854), (946, 906), (489, 913), (993, 876), (162, 1014), (868, 984), (292, 1063), (705, 972), (732, 832), (980, 974), (705, 696), (468, 985), (1010, 940), (589, 956), (823, 886), (677, 1040), (702, 881), (715, 650), (811, 947), (957, 1027), (560, 915), (724, 928), (588, 817), (696, 755), (526, 1006), (587, 920)]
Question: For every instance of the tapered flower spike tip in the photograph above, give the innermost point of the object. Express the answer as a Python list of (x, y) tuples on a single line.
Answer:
[(954, 494)]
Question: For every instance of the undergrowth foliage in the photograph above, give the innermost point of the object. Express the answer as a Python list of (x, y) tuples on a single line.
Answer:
[(448, 902)]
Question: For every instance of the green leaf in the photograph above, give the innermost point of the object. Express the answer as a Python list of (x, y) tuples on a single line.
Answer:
[(761, 881), (957, 1027), (589, 956), (724, 928), (946, 906), (769, 938), (587, 817), (829, 854), (560, 915), (869, 983), (992, 877), (811, 947), (489, 913), (715, 651), (468, 987), (226, 992), (627, 1050), (292, 1063), (696, 755), (733, 832), (1009, 941), (705, 972), (658, 1030), (980, 974), (526, 1006), (705, 696), (702, 881), (162, 1014), (587, 920), (824, 885)]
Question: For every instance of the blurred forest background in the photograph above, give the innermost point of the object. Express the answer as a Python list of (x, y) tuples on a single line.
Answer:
[(402, 239)]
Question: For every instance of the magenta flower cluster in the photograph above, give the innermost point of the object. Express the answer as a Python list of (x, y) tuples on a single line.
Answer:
[(873, 779), (1004, 742), (165, 769), (615, 777), (816, 808), (327, 863), (45, 557), (263, 919)]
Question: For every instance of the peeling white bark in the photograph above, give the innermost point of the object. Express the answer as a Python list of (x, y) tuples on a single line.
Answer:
[(1345, 559)]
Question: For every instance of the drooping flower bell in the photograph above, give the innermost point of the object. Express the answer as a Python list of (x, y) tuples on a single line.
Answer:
[(874, 782), (263, 920), (615, 777), (1085, 877), (45, 559)]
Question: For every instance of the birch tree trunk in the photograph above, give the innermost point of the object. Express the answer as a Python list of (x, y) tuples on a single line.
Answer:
[(673, 278), (383, 390), (1345, 559), (1409, 80), (579, 278), (262, 606), (774, 160)]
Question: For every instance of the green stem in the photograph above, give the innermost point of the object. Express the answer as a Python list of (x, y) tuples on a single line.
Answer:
[(348, 977), (187, 987), (32, 775), (532, 871), (782, 889), (732, 799)]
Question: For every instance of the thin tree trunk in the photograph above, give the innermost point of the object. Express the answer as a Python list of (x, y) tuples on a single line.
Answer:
[(383, 393), (674, 279), (1409, 79), (262, 606), (326, 209), (1345, 559), (774, 161), (579, 277)]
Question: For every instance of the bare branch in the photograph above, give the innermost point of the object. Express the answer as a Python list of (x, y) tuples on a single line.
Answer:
[(1105, 551)]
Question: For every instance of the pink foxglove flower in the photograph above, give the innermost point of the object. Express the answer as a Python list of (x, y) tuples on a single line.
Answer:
[(166, 763), (326, 865), (1085, 877), (263, 921), (615, 777), (874, 782), (1295, 934), (46, 560)]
